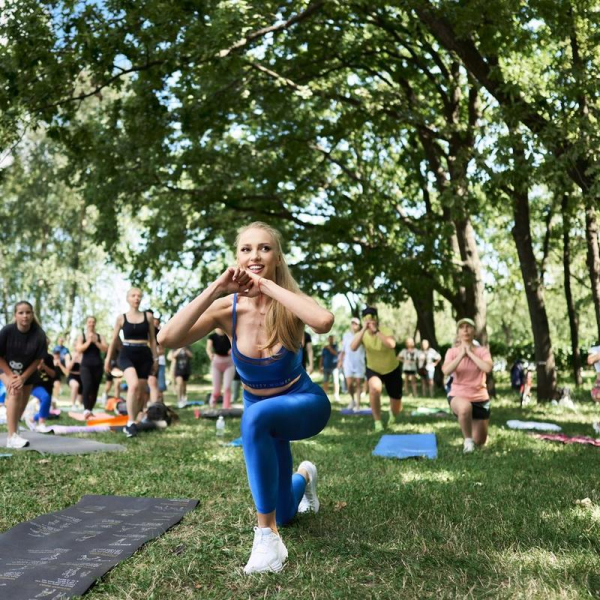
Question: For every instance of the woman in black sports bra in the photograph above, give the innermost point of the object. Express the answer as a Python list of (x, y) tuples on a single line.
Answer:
[(138, 356)]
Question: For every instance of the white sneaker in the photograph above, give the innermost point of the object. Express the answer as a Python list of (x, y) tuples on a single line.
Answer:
[(309, 501), (41, 428), (304, 505), (16, 442), (182, 403), (468, 446), (268, 552)]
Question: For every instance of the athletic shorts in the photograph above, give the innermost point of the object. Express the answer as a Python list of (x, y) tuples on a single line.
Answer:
[(329, 374), (74, 377), (481, 410), (356, 372), (409, 372), (138, 357), (185, 375), (392, 381)]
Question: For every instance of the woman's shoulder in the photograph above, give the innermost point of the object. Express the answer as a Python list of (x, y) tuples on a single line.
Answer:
[(225, 301), (482, 351)]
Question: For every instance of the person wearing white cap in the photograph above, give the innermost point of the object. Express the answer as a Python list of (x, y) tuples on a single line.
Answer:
[(468, 397), (353, 365)]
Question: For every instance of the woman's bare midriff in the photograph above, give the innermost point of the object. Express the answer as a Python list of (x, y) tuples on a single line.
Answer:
[(270, 391)]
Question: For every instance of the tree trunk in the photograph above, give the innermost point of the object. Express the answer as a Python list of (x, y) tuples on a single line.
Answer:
[(75, 268), (593, 258), (571, 311), (422, 300), (475, 307), (544, 356)]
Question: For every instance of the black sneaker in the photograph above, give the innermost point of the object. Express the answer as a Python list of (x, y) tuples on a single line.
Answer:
[(130, 430)]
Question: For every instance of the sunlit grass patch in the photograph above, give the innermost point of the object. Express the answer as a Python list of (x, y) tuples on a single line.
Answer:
[(505, 522)]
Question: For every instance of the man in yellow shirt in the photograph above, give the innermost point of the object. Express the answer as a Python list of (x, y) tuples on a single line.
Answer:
[(382, 365)]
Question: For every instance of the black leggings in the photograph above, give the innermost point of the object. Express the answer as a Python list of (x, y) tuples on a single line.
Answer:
[(91, 376)]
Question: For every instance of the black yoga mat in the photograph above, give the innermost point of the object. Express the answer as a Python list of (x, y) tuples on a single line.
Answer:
[(61, 554)]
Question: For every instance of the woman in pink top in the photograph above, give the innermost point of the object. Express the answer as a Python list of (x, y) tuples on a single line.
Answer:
[(468, 398)]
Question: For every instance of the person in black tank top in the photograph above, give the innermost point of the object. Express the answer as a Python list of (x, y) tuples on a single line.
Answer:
[(138, 355), (154, 383), (91, 345), (218, 348)]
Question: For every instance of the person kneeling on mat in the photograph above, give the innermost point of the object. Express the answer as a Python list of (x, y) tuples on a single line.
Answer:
[(468, 397), (261, 309)]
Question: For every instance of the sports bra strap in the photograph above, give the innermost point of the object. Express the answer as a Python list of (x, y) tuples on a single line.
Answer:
[(234, 315)]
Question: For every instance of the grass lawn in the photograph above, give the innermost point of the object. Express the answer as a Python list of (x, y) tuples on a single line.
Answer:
[(504, 522)]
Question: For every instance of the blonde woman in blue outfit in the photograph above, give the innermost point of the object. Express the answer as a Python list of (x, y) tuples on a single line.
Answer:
[(260, 307)]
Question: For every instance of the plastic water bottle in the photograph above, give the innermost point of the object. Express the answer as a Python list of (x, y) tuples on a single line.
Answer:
[(220, 426)]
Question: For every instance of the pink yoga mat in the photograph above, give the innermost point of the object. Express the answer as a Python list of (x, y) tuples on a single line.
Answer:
[(565, 439)]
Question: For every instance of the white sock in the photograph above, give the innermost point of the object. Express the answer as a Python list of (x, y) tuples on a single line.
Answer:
[(130, 423), (468, 439)]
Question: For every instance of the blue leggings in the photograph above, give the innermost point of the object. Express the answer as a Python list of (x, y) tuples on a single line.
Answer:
[(45, 402), (268, 426)]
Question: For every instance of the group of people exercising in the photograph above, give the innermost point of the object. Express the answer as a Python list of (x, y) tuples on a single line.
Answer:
[(260, 309)]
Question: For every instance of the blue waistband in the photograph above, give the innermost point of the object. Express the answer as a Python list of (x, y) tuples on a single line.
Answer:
[(304, 382), (264, 373)]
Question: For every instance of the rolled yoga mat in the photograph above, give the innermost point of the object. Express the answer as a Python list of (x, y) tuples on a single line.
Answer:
[(62, 554)]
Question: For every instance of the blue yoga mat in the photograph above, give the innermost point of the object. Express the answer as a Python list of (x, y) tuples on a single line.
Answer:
[(354, 413), (407, 446)]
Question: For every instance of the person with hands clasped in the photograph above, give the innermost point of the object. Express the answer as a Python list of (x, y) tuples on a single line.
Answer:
[(218, 349), (468, 397), (90, 344), (260, 307), (138, 356), (382, 365), (22, 347)]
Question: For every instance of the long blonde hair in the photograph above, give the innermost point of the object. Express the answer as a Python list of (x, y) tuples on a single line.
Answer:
[(282, 326)]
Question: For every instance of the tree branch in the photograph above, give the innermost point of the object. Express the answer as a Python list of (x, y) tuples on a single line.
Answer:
[(310, 10)]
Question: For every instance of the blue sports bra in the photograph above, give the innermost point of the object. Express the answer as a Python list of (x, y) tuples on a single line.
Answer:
[(270, 372)]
